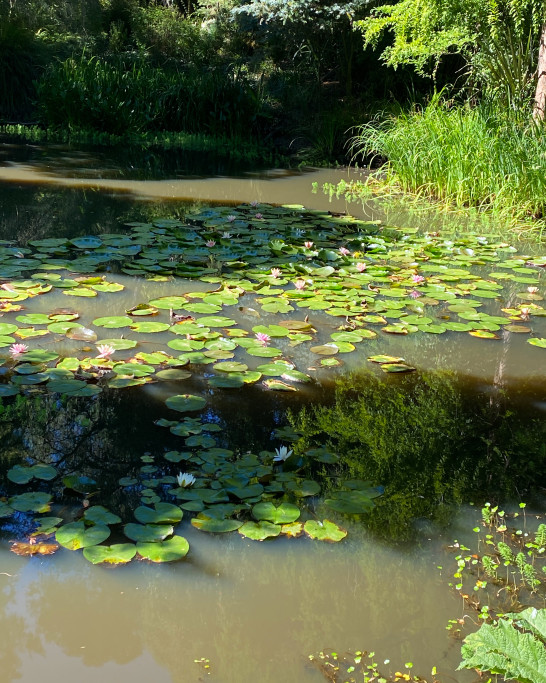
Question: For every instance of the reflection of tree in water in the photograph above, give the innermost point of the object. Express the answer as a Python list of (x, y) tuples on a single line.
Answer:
[(31, 214), (431, 441)]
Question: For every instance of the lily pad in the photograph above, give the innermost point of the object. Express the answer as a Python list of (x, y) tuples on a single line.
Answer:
[(161, 513), (185, 403), (259, 531), (119, 553), (324, 531), (216, 526), (147, 533), (173, 549), (97, 514), (76, 535), (284, 513)]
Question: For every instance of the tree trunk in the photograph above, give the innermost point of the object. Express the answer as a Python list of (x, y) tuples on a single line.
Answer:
[(540, 93)]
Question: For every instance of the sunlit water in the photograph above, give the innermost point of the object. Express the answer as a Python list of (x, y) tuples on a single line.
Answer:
[(255, 611)]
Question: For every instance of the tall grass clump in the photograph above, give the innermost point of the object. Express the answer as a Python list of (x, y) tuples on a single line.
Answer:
[(123, 96), (463, 155)]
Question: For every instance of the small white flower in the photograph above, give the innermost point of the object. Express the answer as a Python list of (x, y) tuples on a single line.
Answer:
[(185, 479), (282, 454)]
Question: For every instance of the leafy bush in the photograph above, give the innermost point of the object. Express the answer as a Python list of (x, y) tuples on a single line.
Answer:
[(117, 96)]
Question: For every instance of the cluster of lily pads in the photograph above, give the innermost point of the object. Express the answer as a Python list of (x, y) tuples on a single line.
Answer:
[(260, 496), (297, 276)]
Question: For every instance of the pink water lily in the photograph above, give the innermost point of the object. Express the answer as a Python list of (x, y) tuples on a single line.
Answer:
[(263, 338), (105, 350), (417, 279), (254, 204), (275, 272), (210, 243), (415, 294), (361, 267), (16, 350), (299, 284), (532, 290), (344, 251), (231, 218), (308, 245), (258, 216)]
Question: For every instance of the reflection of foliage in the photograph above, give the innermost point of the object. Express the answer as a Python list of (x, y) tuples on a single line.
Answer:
[(427, 442)]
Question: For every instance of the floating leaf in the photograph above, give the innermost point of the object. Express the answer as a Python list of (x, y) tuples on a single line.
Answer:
[(259, 531), (215, 526), (147, 533), (185, 403), (284, 513), (324, 531), (119, 553), (76, 535), (161, 513), (173, 549), (97, 514), (31, 502)]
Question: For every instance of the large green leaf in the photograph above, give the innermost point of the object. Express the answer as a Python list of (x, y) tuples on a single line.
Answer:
[(161, 513), (505, 650), (281, 514)]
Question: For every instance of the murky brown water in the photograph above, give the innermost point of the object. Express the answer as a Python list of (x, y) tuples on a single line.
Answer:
[(256, 611)]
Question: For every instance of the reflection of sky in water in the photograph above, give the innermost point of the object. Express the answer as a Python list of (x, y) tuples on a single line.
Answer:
[(255, 610)]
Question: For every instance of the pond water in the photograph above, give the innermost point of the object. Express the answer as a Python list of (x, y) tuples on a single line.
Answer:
[(459, 420)]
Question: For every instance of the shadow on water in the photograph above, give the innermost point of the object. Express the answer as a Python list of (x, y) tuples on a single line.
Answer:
[(433, 440)]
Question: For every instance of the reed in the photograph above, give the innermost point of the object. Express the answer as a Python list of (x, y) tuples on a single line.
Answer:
[(463, 155)]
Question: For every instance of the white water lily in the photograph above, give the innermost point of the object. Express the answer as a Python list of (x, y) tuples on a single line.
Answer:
[(282, 454), (185, 479)]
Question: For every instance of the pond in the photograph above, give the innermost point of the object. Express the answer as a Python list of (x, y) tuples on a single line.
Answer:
[(192, 363)]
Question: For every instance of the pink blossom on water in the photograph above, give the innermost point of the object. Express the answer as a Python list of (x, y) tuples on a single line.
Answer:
[(299, 284), (254, 204), (361, 267), (105, 350), (231, 218), (258, 216), (524, 312), (210, 243), (16, 350), (415, 294), (263, 338), (344, 251), (417, 279), (275, 272), (308, 245), (532, 290)]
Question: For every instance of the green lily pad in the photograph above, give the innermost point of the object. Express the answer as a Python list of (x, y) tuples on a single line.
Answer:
[(147, 533), (161, 513), (119, 553), (76, 535), (173, 549), (230, 367), (396, 367), (284, 513), (113, 322), (216, 526), (79, 483), (259, 531), (97, 514), (34, 501), (324, 531), (149, 327), (185, 403)]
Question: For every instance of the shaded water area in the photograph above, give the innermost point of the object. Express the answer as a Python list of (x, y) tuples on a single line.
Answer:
[(467, 425)]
